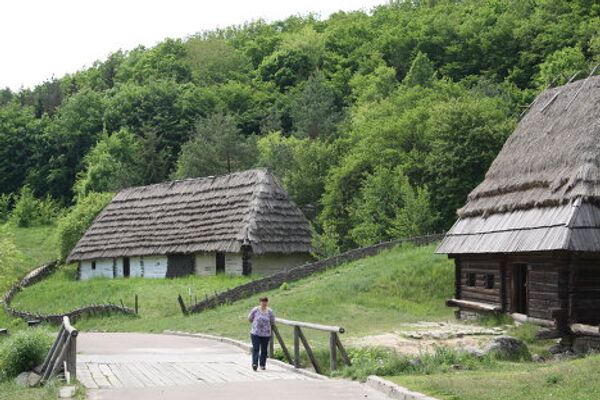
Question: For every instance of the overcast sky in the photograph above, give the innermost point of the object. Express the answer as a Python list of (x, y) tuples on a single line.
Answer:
[(44, 38)]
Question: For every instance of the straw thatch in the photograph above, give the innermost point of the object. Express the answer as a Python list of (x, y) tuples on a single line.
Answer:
[(223, 213), (528, 199)]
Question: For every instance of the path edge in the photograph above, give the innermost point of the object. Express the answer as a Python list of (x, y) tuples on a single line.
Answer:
[(393, 390), (247, 348)]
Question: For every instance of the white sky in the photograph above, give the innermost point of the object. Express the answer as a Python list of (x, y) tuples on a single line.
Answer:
[(42, 38)]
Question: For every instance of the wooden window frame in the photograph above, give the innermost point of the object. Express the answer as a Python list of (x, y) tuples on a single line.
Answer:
[(490, 281), (471, 279)]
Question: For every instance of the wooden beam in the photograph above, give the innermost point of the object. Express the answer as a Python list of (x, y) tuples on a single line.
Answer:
[(282, 344), (522, 318), (473, 305), (309, 325), (342, 351), (311, 356), (583, 329)]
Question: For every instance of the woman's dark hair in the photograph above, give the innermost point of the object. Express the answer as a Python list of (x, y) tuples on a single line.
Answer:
[(265, 299)]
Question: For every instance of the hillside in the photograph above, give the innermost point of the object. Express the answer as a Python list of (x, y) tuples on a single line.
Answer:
[(373, 295)]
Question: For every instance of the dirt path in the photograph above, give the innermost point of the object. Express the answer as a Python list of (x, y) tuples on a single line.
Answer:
[(150, 366)]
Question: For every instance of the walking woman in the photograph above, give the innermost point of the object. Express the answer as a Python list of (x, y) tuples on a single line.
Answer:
[(261, 318)]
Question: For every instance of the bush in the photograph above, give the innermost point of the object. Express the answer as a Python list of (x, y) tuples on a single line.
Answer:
[(73, 225), (23, 351), (383, 362), (5, 205), (31, 211)]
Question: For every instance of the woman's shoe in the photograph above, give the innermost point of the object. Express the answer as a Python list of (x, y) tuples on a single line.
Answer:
[(263, 367), (255, 367)]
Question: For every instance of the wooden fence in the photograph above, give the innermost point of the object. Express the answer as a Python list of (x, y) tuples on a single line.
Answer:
[(300, 272), (335, 343), (62, 355)]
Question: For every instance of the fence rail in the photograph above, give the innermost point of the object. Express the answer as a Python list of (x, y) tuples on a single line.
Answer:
[(62, 355), (335, 344)]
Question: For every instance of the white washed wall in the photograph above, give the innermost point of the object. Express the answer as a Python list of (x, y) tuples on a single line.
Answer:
[(136, 266), (270, 263), (233, 263), (104, 268), (206, 264), (155, 266)]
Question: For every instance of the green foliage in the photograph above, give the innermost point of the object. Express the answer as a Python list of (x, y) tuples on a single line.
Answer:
[(559, 66), (111, 164), (29, 210), (421, 71), (336, 81), (384, 362), (216, 148), (313, 109), (6, 201), (301, 164), (10, 257), (213, 60), (23, 351), (74, 223)]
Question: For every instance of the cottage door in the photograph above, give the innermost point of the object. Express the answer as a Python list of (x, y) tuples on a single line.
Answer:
[(126, 269), (220, 260), (180, 265), (519, 288)]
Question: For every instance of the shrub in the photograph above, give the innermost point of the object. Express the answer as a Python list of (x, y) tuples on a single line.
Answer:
[(73, 225), (5, 205), (31, 211), (383, 362), (23, 351)]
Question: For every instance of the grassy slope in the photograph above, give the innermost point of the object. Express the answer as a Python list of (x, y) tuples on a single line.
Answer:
[(369, 296), (569, 380), (38, 245)]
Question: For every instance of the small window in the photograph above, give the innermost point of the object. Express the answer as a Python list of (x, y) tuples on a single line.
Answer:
[(93, 265), (471, 279), (489, 281)]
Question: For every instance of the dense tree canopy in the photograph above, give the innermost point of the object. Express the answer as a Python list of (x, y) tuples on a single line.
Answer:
[(378, 124)]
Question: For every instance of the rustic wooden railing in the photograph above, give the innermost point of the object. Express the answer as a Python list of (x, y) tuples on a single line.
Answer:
[(335, 343), (62, 355)]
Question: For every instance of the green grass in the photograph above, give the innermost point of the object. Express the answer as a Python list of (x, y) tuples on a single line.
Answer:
[(567, 380), (369, 296), (157, 297), (38, 245)]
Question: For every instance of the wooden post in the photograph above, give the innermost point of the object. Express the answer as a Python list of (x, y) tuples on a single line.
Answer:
[(311, 356), (136, 304), (282, 344), (182, 304), (72, 357), (271, 345), (343, 351), (332, 352), (297, 346)]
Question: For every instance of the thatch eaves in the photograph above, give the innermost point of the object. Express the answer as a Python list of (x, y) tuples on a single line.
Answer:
[(223, 213), (542, 192)]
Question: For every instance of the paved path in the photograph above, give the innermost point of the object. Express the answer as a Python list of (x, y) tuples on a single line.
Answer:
[(151, 366)]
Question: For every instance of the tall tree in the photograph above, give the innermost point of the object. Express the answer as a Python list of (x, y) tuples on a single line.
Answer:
[(216, 148)]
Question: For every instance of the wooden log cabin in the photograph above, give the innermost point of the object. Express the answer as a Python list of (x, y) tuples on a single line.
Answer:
[(527, 241), (239, 224)]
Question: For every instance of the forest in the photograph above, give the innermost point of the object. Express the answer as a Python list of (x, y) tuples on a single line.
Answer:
[(378, 123)]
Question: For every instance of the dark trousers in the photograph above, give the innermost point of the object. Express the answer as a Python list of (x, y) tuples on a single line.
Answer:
[(260, 344)]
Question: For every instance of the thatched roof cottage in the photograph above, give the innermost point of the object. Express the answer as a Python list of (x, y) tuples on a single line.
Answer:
[(528, 239), (240, 223)]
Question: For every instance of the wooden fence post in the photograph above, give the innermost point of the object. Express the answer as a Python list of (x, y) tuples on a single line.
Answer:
[(182, 304), (297, 346), (332, 352), (136, 304)]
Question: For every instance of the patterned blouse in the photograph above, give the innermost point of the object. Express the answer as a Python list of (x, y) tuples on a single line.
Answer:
[(261, 321)]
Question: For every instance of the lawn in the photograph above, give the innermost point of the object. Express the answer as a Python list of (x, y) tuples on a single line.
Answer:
[(369, 296), (567, 380)]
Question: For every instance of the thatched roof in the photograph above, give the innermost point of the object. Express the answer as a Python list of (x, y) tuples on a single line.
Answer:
[(528, 194), (220, 213)]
